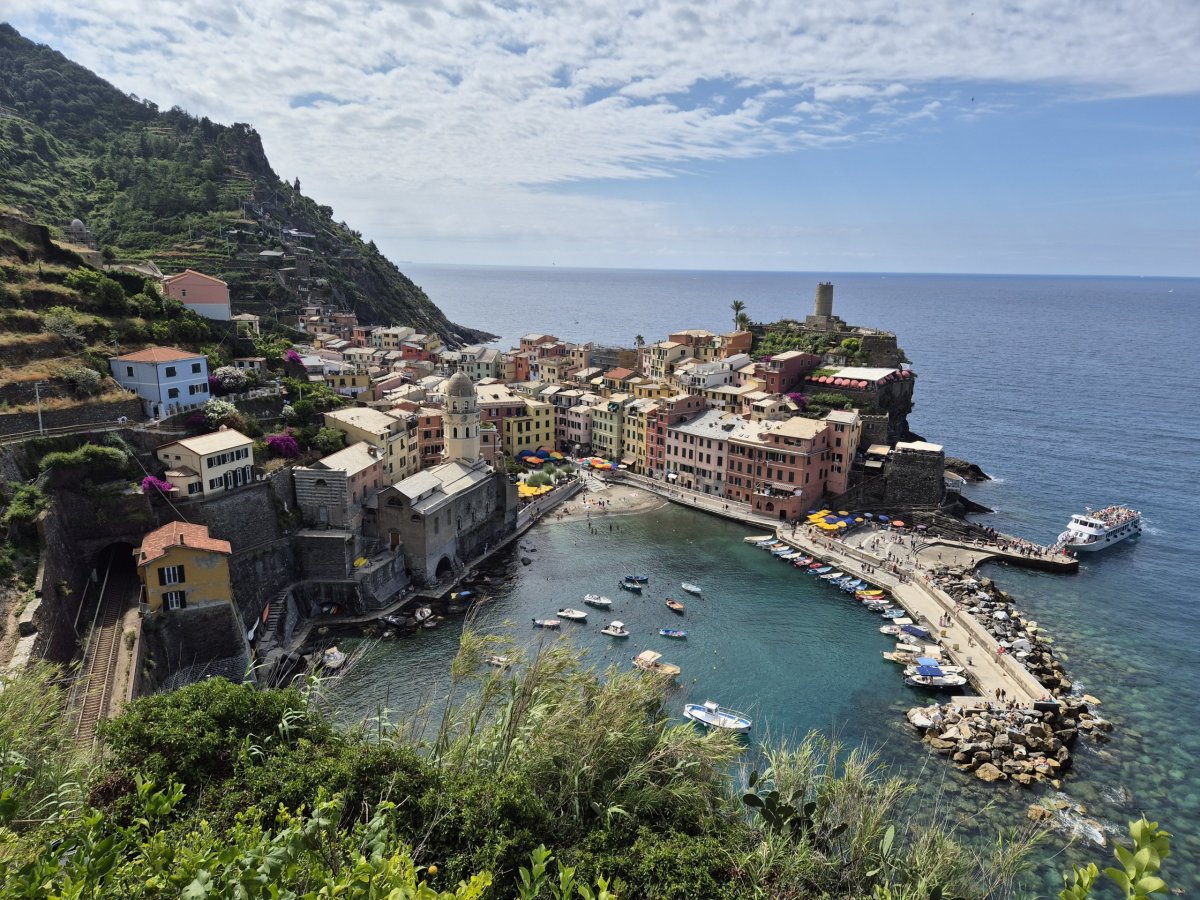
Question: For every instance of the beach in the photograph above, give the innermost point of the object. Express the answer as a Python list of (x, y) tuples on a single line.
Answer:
[(599, 499)]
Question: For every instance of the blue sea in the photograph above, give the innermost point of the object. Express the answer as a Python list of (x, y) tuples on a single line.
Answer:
[(1070, 391)]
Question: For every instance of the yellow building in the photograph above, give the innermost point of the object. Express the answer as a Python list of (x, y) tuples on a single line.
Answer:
[(654, 390), (633, 452), (348, 383), (180, 566), (208, 464), (608, 426), (389, 433), (530, 431)]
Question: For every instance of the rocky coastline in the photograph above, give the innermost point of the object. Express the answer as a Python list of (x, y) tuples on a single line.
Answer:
[(998, 741)]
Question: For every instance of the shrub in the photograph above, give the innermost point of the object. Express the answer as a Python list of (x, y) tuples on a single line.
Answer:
[(221, 412), (328, 440), (150, 485), (23, 507), (230, 378), (83, 381), (64, 322), (91, 461), (283, 446)]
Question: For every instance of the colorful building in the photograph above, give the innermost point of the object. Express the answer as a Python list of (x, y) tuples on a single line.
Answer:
[(202, 294), (208, 464), (332, 491), (168, 380), (181, 566)]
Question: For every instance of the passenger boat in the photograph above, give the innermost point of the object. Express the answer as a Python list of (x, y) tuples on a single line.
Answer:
[(597, 601), (1098, 529), (710, 715), (934, 678), (332, 659), (575, 615), (546, 623), (615, 629), (927, 662), (677, 633), (675, 606), (632, 586), (649, 661), (690, 588), (758, 538)]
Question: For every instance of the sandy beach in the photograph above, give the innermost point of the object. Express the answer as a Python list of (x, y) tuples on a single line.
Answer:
[(600, 499)]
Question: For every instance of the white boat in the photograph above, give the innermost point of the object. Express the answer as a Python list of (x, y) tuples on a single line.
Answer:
[(758, 538), (615, 629), (650, 661), (711, 715), (575, 615), (546, 623), (834, 576), (423, 613), (936, 682), (597, 601), (1098, 529), (690, 588), (949, 670), (333, 659)]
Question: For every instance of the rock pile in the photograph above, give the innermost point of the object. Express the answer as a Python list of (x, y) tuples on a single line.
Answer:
[(997, 744)]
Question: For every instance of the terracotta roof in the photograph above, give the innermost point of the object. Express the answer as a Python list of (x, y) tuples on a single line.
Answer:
[(618, 374), (160, 354), (179, 534), (179, 275)]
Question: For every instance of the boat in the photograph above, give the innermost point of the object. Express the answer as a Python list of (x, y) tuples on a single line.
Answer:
[(675, 606), (597, 601), (672, 632), (791, 555), (710, 715), (890, 629), (546, 623), (802, 561), (690, 588), (782, 549), (934, 678), (820, 571), (834, 576), (649, 661), (640, 579), (423, 613), (917, 631), (872, 592), (432, 622), (925, 661), (615, 629), (575, 615), (500, 662), (758, 538), (394, 620), (626, 585), (332, 659), (1099, 529), (894, 613)]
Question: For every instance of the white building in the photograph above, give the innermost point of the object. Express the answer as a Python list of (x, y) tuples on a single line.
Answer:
[(208, 463), (168, 380)]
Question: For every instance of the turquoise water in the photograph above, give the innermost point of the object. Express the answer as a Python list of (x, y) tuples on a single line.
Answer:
[(1074, 392)]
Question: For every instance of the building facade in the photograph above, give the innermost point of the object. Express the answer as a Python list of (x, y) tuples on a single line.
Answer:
[(208, 464), (202, 294), (181, 566), (333, 491), (168, 380)]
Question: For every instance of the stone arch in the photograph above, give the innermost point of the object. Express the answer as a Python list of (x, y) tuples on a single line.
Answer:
[(444, 567)]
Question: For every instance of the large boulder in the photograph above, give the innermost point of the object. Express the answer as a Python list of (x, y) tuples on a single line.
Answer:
[(989, 773)]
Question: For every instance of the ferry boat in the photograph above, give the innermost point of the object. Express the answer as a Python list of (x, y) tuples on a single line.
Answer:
[(1098, 529)]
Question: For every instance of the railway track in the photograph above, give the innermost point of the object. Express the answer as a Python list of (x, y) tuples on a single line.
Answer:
[(94, 686)]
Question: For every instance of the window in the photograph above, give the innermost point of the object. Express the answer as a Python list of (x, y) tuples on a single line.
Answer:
[(129, 371), (183, 292), (175, 599), (170, 371), (195, 487), (171, 575), (172, 393), (195, 368)]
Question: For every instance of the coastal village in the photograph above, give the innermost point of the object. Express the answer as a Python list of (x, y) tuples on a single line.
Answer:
[(237, 552)]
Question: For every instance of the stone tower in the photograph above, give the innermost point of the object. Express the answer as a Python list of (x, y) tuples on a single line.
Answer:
[(824, 306), (461, 420)]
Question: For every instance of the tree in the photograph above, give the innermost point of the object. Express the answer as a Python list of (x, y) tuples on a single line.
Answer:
[(738, 308), (328, 440), (639, 342), (742, 322)]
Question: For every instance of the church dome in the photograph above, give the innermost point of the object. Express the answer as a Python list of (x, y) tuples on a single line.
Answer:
[(77, 225), (459, 385)]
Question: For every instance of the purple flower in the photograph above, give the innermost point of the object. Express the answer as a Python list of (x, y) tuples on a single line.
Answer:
[(293, 357), (151, 484), (283, 445)]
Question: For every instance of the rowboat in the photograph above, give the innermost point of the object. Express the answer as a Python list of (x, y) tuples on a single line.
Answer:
[(894, 613), (758, 538), (597, 601), (672, 632), (575, 615), (821, 571), (690, 588), (834, 576), (640, 579), (675, 606), (710, 715), (650, 661), (803, 561), (546, 623), (873, 592), (632, 586), (615, 629)]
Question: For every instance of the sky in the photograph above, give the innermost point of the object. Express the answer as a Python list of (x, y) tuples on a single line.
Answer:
[(1024, 136)]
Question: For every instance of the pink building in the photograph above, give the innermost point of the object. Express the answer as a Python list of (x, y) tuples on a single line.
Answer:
[(202, 294), (696, 451), (785, 371), (667, 412)]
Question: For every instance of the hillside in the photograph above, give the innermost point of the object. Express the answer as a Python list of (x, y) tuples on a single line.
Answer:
[(168, 188)]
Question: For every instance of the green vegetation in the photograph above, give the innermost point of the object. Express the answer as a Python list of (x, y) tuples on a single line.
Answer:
[(821, 403), (92, 461), (170, 187), (780, 341), (19, 507)]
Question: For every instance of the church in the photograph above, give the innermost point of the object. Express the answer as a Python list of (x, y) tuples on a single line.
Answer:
[(445, 516)]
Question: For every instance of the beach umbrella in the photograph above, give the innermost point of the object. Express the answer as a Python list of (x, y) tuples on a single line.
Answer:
[(897, 524), (922, 527), (882, 518), (858, 521), (843, 512)]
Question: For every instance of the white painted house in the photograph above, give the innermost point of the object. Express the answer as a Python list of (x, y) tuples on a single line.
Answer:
[(167, 379)]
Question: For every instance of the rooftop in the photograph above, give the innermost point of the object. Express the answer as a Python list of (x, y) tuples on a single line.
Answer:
[(214, 442), (179, 534), (170, 278), (159, 355), (429, 490), (352, 460), (864, 373), (363, 417), (618, 374), (923, 446)]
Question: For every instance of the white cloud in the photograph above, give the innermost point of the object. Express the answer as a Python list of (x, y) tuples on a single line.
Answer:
[(457, 112)]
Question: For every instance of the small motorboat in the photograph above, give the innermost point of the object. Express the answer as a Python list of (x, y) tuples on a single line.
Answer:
[(789, 556), (871, 592), (500, 662), (649, 661), (574, 615), (640, 579), (894, 613), (834, 576), (690, 588), (597, 601), (917, 631), (627, 585), (332, 659), (802, 561), (782, 549), (934, 678), (758, 538), (423, 613), (820, 571), (675, 606), (890, 629), (677, 633), (546, 623), (710, 715), (817, 564), (615, 629)]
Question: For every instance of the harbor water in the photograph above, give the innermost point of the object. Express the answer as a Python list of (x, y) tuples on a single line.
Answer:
[(1072, 392)]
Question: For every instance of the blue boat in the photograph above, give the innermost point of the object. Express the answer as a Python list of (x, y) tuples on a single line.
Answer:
[(917, 631), (820, 571), (672, 632), (630, 585), (640, 579)]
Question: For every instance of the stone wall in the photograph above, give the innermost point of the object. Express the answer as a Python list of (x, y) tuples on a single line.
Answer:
[(187, 645), (915, 478), (246, 517), (62, 580), (259, 574), (99, 413)]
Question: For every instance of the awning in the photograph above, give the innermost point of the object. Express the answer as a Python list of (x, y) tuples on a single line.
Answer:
[(628, 460), (930, 671), (671, 476)]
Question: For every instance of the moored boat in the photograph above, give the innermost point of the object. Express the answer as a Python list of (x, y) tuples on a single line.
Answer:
[(711, 715), (333, 659), (597, 601), (615, 629), (834, 576), (546, 623), (1099, 529), (758, 538), (574, 615), (690, 588), (675, 606), (672, 632), (934, 678), (423, 613), (640, 579), (820, 571), (632, 586), (802, 561), (649, 661), (894, 613), (927, 662)]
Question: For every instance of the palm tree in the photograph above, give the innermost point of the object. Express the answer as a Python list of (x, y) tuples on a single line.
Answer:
[(738, 308), (639, 342), (741, 322)]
